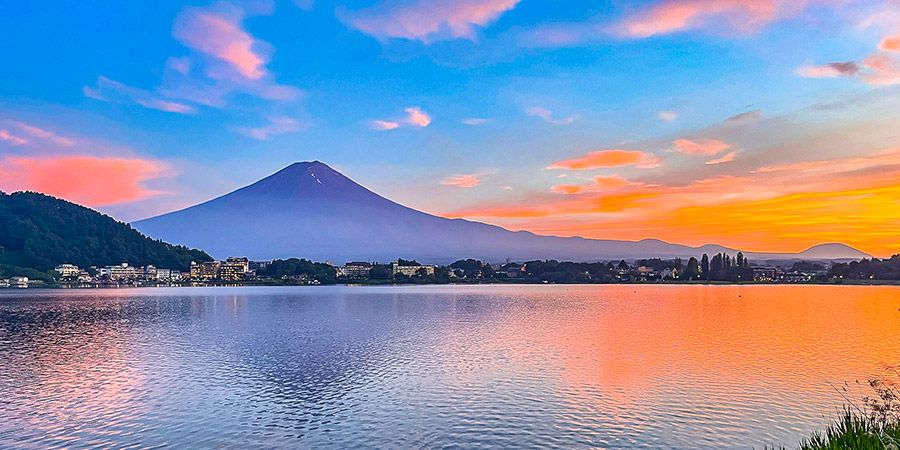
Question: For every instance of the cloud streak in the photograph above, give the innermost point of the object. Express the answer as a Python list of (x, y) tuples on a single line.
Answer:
[(277, 125), (6, 136), (428, 20), (704, 147), (609, 158), (673, 16), (108, 90), (547, 115)]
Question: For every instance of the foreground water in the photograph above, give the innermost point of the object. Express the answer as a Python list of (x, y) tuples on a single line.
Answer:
[(435, 366)]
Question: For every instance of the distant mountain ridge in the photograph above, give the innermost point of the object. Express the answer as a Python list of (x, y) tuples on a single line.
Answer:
[(310, 210), (39, 232)]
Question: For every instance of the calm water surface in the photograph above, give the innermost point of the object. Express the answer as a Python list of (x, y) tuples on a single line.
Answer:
[(435, 366)]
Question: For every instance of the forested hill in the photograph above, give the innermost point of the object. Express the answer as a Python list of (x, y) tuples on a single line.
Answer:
[(38, 232)]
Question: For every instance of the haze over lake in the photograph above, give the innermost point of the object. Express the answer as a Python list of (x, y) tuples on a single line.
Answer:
[(435, 366)]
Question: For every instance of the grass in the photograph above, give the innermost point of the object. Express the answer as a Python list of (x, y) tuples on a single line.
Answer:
[(872, 422)]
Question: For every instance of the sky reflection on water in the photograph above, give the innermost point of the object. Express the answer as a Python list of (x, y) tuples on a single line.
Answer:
[(435, 366)]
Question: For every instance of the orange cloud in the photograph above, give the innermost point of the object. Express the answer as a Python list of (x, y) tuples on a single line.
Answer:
[(222, 37), (600, 183), (425, 20), (779, 208), (87, 180), (707, 147), (609, 158), (890, 44)]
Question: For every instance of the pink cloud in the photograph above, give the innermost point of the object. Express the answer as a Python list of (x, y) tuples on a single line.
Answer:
[(830, 70), (427, 20), (705, 147), (724, 159), (462, 181), (6, 136), (671, 16), (221, 36), (383, 125), (87, 180), (609, 158), (884, 69), (415, 117)]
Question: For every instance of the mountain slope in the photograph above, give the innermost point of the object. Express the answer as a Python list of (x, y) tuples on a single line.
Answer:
[(310, 210), (38, 232)]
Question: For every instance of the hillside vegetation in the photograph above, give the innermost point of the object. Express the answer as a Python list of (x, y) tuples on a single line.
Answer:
[(37, 232)]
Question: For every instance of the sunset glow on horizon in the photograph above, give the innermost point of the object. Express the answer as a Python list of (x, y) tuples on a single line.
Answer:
[(763, 125)]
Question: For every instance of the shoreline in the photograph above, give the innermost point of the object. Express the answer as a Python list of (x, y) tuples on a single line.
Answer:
[(501, 283)]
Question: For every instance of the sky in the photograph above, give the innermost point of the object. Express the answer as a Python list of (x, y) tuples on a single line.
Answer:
[(764, 125)]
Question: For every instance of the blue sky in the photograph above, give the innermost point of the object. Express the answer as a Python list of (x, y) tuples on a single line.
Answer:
[(456, 107)]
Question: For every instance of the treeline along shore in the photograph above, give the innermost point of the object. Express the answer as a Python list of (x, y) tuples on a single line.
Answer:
[(718, 269)]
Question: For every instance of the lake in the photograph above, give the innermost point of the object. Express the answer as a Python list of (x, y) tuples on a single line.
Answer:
[(652, 366)]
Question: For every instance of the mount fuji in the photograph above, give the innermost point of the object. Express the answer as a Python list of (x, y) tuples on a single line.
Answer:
[(312, 211)]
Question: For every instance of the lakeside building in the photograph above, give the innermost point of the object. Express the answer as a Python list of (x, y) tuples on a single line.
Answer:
[(19, 282), (410, 271), (205, 270), (4, 283), (357, 269), (68, 270), (242, 262), (234, 269), (120, 272), (258, 265), (765, 274)]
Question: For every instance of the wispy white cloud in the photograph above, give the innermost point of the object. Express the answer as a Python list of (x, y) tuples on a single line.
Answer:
[(474, 121), (668, 116), (108, 90), (547, 115), (277, 125)]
